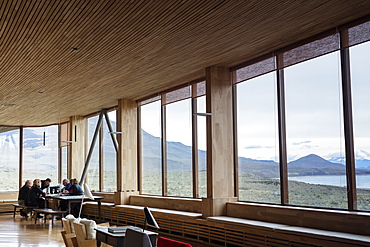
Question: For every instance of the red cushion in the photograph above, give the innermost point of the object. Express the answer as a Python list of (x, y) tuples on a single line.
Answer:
[(166, 242)]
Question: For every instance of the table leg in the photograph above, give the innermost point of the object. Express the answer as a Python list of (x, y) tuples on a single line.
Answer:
[(98, 243), (99, 210), (69, 207)]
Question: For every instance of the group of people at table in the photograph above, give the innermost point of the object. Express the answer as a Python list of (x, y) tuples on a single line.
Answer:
[(34, 193)]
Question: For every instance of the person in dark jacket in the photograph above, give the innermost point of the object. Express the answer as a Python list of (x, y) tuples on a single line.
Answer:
[(75, 189), (22, 196), (23, 192), (35, 195), (45, 184)]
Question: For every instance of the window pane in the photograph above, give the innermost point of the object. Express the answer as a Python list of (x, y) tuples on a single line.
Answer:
[(179, 148), (257, 138), (40, 155), (64, 159), (360, 64), (110, 155), (9, 156), (315, 140), (93, 169), (151, 148), (202, 147)]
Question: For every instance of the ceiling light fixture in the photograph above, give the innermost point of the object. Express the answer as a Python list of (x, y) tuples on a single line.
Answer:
[(115, 132), (8, 105), (203, 114)]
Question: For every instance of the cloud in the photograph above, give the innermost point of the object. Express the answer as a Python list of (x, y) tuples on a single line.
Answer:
[(299, 143), (258, 147)]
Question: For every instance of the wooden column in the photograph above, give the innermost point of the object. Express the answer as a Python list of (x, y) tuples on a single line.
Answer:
[(77, 155), (220, 160), (127, 168)]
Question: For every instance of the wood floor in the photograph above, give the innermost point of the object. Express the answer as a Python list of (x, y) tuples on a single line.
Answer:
[(23, 232)]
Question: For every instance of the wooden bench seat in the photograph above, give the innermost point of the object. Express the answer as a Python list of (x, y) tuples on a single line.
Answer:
[(342, 239), (29, 208), (163, 212), (47, 211)]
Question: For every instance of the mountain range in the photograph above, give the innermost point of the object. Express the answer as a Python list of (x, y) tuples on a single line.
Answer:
[(179, 158)]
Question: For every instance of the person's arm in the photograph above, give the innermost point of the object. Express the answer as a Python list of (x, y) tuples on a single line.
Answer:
[(42, 193)]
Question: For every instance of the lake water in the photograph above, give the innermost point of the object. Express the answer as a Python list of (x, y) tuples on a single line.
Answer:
[(361, 181)]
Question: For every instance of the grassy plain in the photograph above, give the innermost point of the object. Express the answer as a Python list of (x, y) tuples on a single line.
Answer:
[(263, 190)]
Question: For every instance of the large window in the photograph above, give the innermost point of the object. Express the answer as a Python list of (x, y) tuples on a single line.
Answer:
[(40, 153), (313, 116), (257, 137), (315, 133), (179, 148), (93, 171), (64, 160), (109, 155), (202, 147), (151, 148), (173, 142), (360, 64), (9, 156)]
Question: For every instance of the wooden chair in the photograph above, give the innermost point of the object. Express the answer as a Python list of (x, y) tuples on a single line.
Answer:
[(68, 236), (81, 236)]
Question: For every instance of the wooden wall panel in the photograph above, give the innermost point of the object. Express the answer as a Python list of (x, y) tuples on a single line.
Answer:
[(127, 169)]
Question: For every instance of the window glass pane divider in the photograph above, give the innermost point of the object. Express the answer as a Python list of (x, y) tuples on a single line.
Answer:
[(348, 123), (101, 159), (139, 151), (283, 163), (235, 139), (20, 184), (195, 148), (164, 150)]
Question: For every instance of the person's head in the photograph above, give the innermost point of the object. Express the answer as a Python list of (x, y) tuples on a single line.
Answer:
[(36, 182), (47, 181), (65, 181), (28, 183), (74, 181)]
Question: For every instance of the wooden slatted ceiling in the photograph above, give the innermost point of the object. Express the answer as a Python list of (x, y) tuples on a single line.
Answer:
[(132, 49)]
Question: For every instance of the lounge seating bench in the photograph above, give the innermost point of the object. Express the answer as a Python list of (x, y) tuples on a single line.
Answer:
[(331, 238), (163, 211)]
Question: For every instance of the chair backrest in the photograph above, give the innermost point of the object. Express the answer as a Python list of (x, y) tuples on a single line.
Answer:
[(66, 226), (136, 239), (80, 231), (166, 242)]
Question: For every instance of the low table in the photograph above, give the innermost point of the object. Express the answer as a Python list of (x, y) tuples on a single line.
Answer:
[(47, 211), (117, 239)]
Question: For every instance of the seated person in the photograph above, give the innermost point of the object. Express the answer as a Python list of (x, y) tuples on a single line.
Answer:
[(67, 186), (22, 196), (74, 190), (35, 197), (23, 192)]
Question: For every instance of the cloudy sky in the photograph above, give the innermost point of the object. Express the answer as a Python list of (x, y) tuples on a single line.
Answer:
[(313, 110)]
